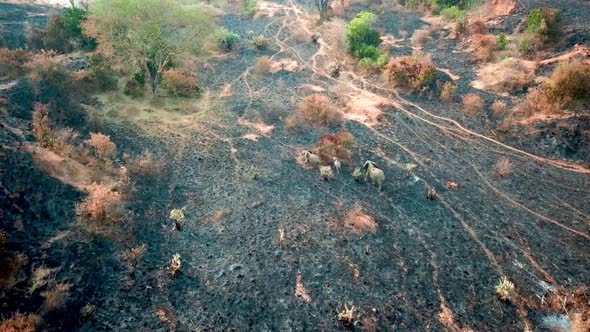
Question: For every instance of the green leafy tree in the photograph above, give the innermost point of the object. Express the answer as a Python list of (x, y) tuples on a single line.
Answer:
[(149, 35), (361, 37)]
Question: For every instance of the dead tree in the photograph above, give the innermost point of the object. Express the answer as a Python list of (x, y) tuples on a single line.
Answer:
[(322, 6)]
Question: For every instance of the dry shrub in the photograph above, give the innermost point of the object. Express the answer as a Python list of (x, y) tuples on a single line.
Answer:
[(56, 297), (359, 222), (337, 145), (575, 304), (143, 165), (421, 37), (569, 82), (503, 167), (12, 63), (21, 323), (447, 92), (102, 145), (499, 108), (41, 277), (102, 205), (333, 32), (132, 256), (292, 122), (472, 104), (319, 110), (415, 72), (477, 26), (181, 82), (41, 123), (47, 69), (263, 65), (483, 47), (10, 266), (536, 102)]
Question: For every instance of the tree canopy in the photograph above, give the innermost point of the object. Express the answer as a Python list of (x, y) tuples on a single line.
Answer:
[(149, 35)]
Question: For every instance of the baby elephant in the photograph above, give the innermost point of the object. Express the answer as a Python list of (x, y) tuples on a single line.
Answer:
[(337, 165), (311, 157), (376, 174)]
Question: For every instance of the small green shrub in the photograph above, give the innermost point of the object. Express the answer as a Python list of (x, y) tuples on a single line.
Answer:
[(229, 41), (453, 13), (502, 42), (64, 32), (249, 7), (102, 74), (361, 37), (544, 22), (135, 86)]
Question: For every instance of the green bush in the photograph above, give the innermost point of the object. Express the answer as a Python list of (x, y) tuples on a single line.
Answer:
[(103, 76), (502, 42), (375, 63), (229, 41), (361, 35), (249, 7), (370, 52), (64, 32), (453, 13), (544, 22), (135, 86)]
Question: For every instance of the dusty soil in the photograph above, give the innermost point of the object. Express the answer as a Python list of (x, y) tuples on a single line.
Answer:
[(278, 253)]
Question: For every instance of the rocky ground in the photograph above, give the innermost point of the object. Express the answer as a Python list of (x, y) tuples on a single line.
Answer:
[(428, 265)]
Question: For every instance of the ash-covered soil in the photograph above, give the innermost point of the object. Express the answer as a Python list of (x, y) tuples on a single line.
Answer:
[(428, 265)]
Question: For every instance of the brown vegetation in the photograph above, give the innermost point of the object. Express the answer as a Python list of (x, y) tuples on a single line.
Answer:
[(181, 82), (499, 108), (133, 256), (507, 76), (421, 37), (483, 46), (263, 65), (414, 72), (503, 167), (12, 63), (143, 165), (10, 266), (56, 297), (319, 110), (472, 104), (102, 145), (569, 82), (477, 26), (447, 92), (300, 291), (48, 69), (102, 205), (337, 145), (536, 102), (21, 323), (359, 222)]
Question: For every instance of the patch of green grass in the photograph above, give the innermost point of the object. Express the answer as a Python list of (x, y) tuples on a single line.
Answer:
[(453, 13)]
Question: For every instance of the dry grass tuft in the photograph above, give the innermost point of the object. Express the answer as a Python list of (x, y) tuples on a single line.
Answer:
[(477, 26), (359, 222), (319, 110), (504, 289), (103, 205), (263, 65), (21, 323), (41, 277), (421, 37), (300, 291), (483, 47), (337, 145), (181, 82), (326, 173), (472, 104), (499, 108), (144, 164), (333, 32), (503, 167), (447, 92), (56, 298), (174, 266), (102, 145), (414, 72), (569, 82), (536, 102)]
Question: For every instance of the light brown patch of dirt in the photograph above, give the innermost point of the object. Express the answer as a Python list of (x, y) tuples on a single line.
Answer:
[(312, 88), (300, 291), (300, 160), (226, 92), (289, 65), (260, 127), (266, 8), (251, 137), (390, 40), (576, 50), (505, 75), (447, 318), (359, 222), (501, 7), (448, 72), (216, 216), (69, 171), (364, 107)]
